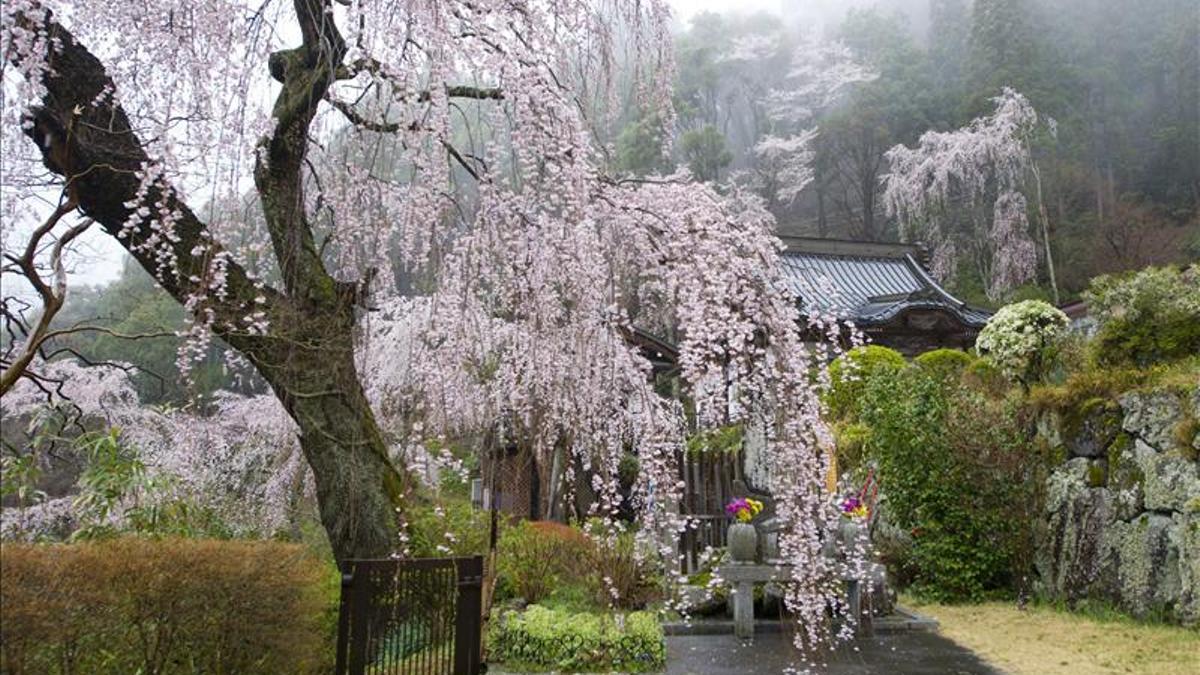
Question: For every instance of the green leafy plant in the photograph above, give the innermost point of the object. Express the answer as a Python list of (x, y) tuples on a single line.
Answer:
[(19, 475), (1148, 316), (850, 374), (617, 576), (447, 527), (118, 495), (538, 558), (956, 469), (720, 439), (544, 639)]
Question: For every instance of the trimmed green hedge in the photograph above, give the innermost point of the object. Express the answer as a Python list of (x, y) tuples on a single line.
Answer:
[(850, 373), (546, 639), (944, 364)]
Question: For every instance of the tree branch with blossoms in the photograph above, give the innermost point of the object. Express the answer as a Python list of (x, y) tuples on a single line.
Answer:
[(544, 264)]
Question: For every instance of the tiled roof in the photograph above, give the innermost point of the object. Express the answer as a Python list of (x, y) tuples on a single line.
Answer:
[(867, 283)]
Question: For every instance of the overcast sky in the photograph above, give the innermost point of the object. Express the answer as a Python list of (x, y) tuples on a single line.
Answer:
[(686, 9)]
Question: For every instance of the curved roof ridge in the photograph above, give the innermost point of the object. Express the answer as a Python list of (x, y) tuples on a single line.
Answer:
[(869, 282)]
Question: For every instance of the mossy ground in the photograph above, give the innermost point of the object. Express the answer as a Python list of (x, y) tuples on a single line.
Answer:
[(1046, 641)]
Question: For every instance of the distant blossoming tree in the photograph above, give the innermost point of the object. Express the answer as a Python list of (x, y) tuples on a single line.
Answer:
[(985, 162), (820, 74), (465, 135), (240, 464)]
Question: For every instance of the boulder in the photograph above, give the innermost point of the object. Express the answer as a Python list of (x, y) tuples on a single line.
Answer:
[(1152, 416), (1170, 481), (1148, 568)]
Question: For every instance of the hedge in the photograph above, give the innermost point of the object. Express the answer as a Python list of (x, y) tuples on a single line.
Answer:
[(546, 639), (850, 373), (944, 364), (165, 606)]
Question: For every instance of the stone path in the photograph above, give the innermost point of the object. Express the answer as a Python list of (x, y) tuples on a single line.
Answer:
[(904, 653)]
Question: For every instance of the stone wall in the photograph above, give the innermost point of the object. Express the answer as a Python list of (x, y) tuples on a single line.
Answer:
[(1122, 519)]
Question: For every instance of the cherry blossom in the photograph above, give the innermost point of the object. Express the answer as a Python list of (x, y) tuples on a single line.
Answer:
[(981, 163), (458, 141)]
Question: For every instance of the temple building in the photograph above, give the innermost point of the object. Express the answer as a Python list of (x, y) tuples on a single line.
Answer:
[(883, 289)]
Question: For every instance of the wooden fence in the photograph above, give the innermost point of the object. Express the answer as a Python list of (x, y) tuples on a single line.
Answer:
[(707, 487)]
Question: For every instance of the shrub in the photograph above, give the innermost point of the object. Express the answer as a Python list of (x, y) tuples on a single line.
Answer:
[(562, 566), (954, 466), (944, 364), (450, 527), (985, 377), (720, 439), (1085, 385), (1020, 338), (1149, 316), (617, 576), (165, 606), (850, 373), (535, 558), (850, 439), (545, 639)]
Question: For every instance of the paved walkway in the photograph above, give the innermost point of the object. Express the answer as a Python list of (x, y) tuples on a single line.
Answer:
[(904, 653)]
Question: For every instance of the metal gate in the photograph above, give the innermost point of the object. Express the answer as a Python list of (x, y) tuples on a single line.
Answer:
[(411, 616)]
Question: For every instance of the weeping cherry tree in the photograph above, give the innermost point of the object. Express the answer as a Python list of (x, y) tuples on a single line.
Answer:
[(984, 163), (468, 134)]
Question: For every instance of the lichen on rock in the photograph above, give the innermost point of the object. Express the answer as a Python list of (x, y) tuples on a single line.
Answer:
[(1152, 416), (1170, 480)]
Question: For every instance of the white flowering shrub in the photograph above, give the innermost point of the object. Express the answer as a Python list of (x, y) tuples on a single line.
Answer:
[(1019, 337)]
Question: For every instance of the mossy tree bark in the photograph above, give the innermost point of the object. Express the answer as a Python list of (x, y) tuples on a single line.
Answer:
[(306, 353)]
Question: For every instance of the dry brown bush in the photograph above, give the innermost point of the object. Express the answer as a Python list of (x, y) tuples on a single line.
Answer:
[(163, 606)]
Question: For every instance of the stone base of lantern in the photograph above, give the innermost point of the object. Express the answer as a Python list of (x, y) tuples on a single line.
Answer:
[(743, 576)]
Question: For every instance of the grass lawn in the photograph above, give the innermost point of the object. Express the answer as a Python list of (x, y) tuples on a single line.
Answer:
[(1047, 641)]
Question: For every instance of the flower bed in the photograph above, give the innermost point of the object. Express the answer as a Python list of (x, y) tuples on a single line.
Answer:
[(542, 639)]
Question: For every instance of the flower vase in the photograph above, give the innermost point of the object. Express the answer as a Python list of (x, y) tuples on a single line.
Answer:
[(743, 542)]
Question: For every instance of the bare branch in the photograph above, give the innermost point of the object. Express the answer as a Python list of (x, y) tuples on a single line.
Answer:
[(52, 296)]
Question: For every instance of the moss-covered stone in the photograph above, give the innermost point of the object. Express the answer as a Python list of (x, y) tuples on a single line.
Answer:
[(1122, 498), (1148, 564), (1088, 430), (1074, 560), (1184, 535), (1049, 428), (1125, 478), (1152, 416), (1169, 480)]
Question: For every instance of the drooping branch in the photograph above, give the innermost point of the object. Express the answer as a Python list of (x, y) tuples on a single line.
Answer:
[(86, 138), (361, 122)]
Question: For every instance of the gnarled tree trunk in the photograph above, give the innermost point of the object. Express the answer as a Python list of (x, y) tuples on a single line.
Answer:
[(306, 352)]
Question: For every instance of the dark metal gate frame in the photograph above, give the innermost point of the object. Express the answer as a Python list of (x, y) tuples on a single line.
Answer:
[(381, 598)]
